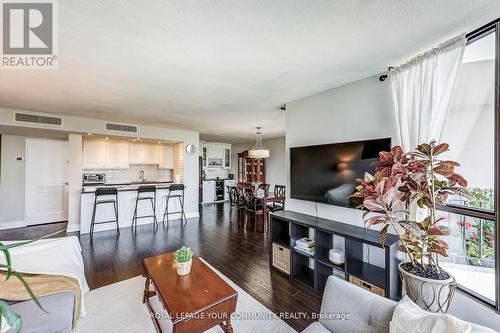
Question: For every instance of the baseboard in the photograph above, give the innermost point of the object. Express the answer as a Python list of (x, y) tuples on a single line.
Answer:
[(72, 228), (12, 224)]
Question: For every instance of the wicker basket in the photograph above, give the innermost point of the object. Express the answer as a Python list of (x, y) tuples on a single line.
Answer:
[(366, 285), (281, 258)]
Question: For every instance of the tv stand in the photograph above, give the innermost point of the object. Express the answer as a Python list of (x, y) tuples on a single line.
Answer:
[(313, 270)]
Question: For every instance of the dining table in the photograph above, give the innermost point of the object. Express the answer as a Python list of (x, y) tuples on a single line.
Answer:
[(263, 200)]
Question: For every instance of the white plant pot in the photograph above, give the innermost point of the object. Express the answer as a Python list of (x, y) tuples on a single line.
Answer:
[(431, 295), (183, 268)]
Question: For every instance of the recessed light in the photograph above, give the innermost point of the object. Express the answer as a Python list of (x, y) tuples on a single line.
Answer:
[(106, 138), (89, 134)]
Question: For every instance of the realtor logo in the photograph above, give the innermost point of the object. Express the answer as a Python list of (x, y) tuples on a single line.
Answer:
[(28, 34)]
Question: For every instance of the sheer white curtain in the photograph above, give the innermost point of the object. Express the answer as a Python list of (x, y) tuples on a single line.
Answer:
[(422, 91)]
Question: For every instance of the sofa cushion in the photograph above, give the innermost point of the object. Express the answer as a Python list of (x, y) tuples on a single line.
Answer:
[(356, 310), (58, 319), (316, 328)]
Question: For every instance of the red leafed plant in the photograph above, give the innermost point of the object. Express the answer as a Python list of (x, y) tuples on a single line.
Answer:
[(403, 178)]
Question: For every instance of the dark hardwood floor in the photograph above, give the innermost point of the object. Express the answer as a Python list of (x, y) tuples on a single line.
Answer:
[(217, 237)]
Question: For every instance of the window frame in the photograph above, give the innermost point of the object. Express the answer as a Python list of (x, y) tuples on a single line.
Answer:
[(474, 212)]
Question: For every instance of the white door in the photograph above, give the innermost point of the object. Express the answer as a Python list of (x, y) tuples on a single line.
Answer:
[(46, 181)]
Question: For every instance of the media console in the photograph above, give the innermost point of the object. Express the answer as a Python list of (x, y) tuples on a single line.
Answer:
[(313, 270)]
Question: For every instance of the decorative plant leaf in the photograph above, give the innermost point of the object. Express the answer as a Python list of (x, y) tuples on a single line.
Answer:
[(8, 260), (372, 205), (28, 289), (460, 191), (383, 235), (435, 232), (444, 169), (375, 220), (455, 177), (425, 149), (12, 318), (440, 148)]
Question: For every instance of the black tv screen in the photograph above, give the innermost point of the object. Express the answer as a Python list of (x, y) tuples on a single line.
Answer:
[(327, 173)]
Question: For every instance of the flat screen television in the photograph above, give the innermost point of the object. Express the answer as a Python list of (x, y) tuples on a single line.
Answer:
[(327, 173)]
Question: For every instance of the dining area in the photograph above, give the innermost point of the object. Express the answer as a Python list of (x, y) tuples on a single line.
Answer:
[(254, 201)]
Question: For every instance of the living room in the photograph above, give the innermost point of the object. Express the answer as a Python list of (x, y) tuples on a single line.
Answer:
[(365, 200)]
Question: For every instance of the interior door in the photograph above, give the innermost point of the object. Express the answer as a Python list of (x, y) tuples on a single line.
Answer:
[(46, 181)]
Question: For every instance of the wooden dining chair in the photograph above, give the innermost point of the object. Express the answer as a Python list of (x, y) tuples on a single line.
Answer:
[(278, 202), (254, 208), (265, 187)]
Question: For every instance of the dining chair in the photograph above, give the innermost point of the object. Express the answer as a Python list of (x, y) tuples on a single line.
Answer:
[(254, 208), (265, 187), (278, 202)]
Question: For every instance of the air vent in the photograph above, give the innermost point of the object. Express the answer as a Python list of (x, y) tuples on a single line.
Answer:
[(121, 128), (36, 119)]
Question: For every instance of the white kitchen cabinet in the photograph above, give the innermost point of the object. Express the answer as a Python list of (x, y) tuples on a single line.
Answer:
[(137, 153), (166, 157), (152, 154), (227, 158), (123, 152), (144, 153), (208, 191), (94, 154)]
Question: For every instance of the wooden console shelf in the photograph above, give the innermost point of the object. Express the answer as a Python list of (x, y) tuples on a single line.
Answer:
[(313, 270)]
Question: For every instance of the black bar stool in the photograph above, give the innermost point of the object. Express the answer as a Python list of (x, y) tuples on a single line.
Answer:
[(112, 197), (148, 190), (180, 196)]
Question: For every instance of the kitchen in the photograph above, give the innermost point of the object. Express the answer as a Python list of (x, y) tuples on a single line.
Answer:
[(127, 165), (215, 163)]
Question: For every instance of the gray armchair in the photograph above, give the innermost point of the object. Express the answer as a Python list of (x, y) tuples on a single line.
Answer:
[(366, 311)]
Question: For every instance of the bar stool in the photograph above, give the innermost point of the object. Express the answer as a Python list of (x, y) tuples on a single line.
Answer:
[(108, 192), (180, 196), (148, 190)]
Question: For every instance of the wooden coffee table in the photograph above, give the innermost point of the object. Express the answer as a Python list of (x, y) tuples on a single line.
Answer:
[(194, 302)]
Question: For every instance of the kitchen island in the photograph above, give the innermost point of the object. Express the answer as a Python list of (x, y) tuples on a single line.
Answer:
[(127, 194)]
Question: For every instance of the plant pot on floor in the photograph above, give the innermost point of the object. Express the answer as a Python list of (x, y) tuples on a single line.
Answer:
[(183, 268), (430, 294)]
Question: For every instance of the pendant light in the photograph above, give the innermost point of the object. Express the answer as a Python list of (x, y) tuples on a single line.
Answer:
[(258, 151)]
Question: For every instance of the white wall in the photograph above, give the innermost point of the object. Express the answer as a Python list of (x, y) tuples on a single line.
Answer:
[(12, 181), (360, 110), (80, 125), (275, 164), (74, 181)]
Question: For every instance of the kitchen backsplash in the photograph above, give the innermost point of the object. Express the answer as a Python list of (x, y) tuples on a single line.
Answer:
[(214, 173), (151, 172)]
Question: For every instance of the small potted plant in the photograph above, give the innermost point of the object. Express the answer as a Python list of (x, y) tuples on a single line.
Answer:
[(403, 184), (183, 260)]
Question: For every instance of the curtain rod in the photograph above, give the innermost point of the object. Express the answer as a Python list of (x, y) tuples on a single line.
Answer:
[(469, 36)]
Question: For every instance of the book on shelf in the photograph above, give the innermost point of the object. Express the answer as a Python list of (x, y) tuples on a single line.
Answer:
[(305, 242), (308, 252)]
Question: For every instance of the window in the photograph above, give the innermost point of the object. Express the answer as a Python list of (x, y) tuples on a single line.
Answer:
[(470, 131)]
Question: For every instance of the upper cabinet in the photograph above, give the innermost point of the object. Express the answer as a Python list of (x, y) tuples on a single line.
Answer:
[(94, 154), (144, 153), (99, 153), (216, 155), (166, 157), (117, 155)]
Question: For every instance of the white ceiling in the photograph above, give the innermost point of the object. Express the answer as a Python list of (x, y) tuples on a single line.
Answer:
[(221, 67)]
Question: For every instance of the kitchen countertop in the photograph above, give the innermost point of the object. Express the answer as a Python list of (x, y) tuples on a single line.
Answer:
[(138, 182), (134, 186), (212, 179)]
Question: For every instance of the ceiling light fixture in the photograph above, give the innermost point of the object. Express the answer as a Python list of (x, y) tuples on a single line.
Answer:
[(258, 151)]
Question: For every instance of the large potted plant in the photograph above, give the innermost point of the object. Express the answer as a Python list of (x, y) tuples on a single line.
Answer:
[(402, 196)]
